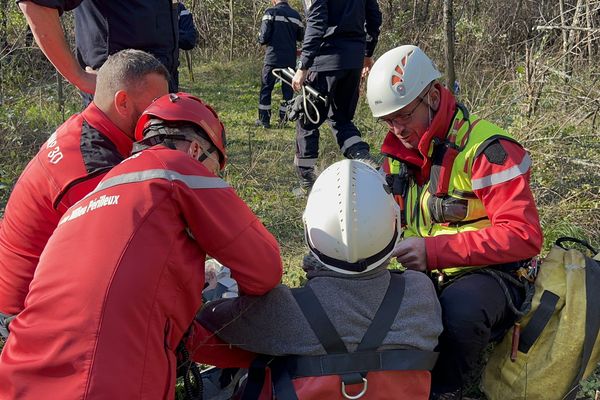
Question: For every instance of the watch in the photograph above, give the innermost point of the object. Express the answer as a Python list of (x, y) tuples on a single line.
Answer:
[(300, 65)]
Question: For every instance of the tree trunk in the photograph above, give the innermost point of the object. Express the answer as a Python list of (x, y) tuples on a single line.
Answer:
[(588, 24), (565, 38), (231, 30), (449, 23)]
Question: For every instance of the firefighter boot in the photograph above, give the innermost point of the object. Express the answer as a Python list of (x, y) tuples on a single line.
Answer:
[(307, 179), (360, 151), (264, 118)]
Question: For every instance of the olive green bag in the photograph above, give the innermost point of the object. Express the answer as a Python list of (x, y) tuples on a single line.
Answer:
[(559, 343)]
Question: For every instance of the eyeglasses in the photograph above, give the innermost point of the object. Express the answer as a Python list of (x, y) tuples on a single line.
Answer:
[(405, 116)]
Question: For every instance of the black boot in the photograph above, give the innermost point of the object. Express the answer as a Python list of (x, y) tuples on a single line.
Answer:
[(360, 152), (264, 118)]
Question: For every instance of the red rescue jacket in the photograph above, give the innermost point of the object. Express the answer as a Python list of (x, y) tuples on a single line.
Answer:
[(67, 167), (121, 280)]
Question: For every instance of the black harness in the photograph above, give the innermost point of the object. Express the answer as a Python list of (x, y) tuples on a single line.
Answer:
[(352, 367)]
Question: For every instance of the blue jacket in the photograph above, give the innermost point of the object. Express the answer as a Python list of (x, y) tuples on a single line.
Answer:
[(188, 35), (339, 34), (149, 25), (280, 29)]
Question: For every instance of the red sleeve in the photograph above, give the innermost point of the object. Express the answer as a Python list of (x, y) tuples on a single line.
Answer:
[(515, 232), (227, 230), (79, 191), (205, 347)]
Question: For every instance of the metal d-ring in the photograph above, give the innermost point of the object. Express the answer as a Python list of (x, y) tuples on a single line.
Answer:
[(358, 396)]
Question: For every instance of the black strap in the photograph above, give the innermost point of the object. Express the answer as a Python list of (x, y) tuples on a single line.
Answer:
[(386, 314), (560, 241), (538, 322), (319, 322), (358, 266), (340, 364), (256, 377), (592, 320)]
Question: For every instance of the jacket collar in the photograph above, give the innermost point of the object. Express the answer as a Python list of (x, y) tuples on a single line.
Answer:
[(418, 159), (96, 118)]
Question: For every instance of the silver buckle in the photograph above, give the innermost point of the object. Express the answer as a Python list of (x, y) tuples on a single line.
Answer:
[(358, 396)]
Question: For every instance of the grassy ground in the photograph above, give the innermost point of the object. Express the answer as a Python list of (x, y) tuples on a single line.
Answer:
[(260, 164)]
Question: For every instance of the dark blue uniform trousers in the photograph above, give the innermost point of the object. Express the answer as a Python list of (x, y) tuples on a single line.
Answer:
[(475, 312), (264, 102), (342, 89)]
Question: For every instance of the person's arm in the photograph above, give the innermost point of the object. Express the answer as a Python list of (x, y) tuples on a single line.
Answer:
[(373, 21), (266, 29), (261, 324), (226, 229), (205, 347), (501, 181), (188, 35), (316, 25), (50, 37)]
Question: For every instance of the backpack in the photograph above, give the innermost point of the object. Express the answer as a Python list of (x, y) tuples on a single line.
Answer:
[(367, 373), (558, 344)]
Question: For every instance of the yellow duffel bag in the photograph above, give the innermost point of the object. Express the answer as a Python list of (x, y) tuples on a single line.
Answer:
[(559, 343)]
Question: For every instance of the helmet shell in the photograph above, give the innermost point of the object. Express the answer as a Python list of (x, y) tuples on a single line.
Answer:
[(185, 108), (351, 218), (397, 78)]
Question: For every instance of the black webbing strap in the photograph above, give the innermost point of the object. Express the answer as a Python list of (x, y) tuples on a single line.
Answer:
[(538, 322), (340, 364), (256, 377), (358, 266), (592, 320), (385, 316), (319, 322)]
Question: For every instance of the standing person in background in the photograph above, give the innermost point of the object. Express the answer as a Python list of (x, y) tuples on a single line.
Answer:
[(280, 29), (470, 216), (103, 27), (188, 35), (338, 46), (121, 278), (69, 165)]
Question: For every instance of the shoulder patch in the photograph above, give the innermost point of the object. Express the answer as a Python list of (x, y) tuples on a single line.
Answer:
[(495, 153)]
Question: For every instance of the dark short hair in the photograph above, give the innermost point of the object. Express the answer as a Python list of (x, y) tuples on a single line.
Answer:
[(126, 69)]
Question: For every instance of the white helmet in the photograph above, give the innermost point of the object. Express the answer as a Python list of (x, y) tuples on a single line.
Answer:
[(351, 221), (397, 78)]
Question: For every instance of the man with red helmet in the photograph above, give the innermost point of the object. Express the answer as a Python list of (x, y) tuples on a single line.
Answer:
[(122, 276), (69, 165)]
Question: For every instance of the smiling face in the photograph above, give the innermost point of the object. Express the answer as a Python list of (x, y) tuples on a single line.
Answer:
[(410, 123)]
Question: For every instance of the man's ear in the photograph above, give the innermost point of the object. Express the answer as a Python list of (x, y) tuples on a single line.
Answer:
[(194, 150), (435, 98), (121, 102)]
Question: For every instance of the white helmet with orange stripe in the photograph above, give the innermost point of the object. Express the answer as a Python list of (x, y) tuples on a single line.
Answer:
[(397, 78)]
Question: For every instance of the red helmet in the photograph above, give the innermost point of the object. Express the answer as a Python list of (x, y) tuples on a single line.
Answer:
[(183, 107)]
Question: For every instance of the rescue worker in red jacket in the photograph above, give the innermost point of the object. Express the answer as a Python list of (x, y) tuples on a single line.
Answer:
[(121, 278), (463, 183), (364, 328), (70, 164)]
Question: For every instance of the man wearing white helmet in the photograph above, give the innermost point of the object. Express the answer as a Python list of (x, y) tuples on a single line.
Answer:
[(463, 185), (351, 227)]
